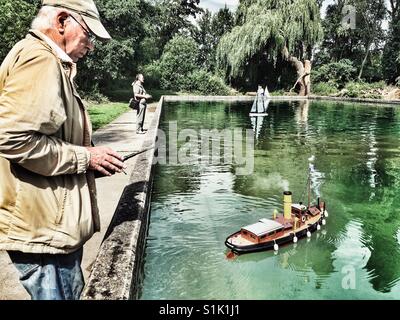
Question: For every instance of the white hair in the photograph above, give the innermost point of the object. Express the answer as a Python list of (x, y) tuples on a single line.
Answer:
[(45, 19)]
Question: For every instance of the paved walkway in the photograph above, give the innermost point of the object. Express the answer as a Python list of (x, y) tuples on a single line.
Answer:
[(119, 135)]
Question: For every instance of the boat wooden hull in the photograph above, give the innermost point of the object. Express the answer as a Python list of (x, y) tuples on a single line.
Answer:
[(269, 245)]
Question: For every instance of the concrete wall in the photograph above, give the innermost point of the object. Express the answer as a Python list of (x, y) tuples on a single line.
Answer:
[(116, 270)]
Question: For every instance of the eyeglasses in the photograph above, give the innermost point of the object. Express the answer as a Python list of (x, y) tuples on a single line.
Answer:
[(92, 37)]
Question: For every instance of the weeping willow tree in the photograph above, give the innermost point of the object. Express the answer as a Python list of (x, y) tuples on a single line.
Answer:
[(287, 29)]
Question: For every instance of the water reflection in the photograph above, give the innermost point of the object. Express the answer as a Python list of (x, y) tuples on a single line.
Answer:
[(353, 155)]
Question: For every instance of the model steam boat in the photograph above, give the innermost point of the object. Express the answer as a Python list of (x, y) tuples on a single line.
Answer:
[(296, 222)]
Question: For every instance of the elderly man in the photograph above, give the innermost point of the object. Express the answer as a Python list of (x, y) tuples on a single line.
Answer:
[(47, 192)]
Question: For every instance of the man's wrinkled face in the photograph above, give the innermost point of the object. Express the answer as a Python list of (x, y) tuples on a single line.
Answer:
[(141, 78), (77, 41)]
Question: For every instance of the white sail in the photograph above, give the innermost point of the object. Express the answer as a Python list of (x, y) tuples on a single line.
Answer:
[(254, 106), (266, 92)]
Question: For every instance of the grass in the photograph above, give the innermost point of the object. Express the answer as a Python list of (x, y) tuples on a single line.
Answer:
[(104, 113)]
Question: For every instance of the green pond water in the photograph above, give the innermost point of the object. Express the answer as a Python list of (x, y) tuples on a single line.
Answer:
[(352, 152)]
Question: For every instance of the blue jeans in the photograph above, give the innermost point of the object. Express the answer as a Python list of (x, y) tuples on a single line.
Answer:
[(50, 276)]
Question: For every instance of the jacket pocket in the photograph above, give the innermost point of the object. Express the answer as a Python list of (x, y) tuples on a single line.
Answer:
[(39, 207)]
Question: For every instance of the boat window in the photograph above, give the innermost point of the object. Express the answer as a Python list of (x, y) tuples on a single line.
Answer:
[(263, 237), (244, 232)]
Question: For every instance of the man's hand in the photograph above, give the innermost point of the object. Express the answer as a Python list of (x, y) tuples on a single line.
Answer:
[(147, 96), (105, 160)]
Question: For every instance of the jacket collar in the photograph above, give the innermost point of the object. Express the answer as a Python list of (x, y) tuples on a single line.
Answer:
[(60, 53)]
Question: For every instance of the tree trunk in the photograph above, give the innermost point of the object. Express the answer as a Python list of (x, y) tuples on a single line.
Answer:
[(307, 78), (364, 62), (303, 72)]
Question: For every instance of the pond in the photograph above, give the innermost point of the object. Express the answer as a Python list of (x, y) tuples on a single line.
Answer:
[(352, 154)]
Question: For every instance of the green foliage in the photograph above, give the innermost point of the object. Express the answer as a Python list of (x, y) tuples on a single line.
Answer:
[(265, 28), (152, 73), (324, 88), (203, 82), (179, 69), (280, 92), (123, 19), (248, 53), (208, 34), (36, 3), (205, 40), (391, 53), (15, 19), (148, 51), (94, 95), (373, 71), (114, 59), (110, 61), (336, 73), (179, 59), (172, 18), (362, 45), (364, 90), (370, 16), (222, 22)]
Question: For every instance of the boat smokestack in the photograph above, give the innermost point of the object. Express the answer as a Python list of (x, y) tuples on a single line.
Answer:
[(287, 205)]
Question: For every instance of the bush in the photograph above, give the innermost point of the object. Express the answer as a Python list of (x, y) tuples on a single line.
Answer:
[(178, 60), (280, 92), (203, 82), (364, 90), (152, 74), (178, 69), (94, 95), (338, 73), (325, 88)]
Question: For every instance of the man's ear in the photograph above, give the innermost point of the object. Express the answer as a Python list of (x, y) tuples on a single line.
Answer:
[(62, 16)]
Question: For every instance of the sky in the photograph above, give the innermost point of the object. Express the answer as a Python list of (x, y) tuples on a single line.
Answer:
[(215, 5)]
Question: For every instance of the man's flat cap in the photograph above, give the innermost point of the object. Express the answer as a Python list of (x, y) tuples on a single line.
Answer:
[(88, 11)]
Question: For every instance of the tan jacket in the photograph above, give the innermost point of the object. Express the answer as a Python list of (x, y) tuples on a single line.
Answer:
[(47, 199)]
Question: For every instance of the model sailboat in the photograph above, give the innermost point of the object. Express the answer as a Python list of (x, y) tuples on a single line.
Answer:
[(260, 104)]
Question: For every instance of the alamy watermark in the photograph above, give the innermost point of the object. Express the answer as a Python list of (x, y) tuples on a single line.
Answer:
[(349, 17), (206, 147)]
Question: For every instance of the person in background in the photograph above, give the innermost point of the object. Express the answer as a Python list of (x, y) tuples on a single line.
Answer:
[(141, 96), (48, 206)]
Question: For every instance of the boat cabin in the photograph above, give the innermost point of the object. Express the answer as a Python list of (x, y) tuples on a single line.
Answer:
[(314, 211), (263, 230), (298, 209)]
